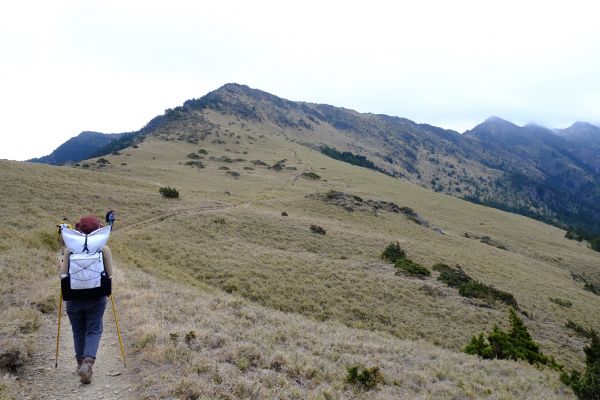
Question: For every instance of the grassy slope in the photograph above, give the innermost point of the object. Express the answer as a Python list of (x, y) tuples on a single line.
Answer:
[(242, 244)]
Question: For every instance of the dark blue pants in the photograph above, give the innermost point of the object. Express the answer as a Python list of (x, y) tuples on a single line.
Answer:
[(86, 320)]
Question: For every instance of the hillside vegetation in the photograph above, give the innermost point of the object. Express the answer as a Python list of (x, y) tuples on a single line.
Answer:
[(226, 292)]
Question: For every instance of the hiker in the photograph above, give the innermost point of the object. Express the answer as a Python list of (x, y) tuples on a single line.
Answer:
[(110, 218), (86, 275)]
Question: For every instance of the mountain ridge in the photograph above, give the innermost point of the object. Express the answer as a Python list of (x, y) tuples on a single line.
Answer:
[(531, 169)]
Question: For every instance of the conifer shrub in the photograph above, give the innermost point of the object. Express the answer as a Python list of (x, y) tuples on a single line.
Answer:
[(479, 290), (393, 253), (412, 268), (317, 229), (578, 329), (516, 344), (468, 287), (595, 243), (586, 385), (592, 287), (561, 302), (169, 192), (364, 378), (311, 176), (195, 164), (453, 277)]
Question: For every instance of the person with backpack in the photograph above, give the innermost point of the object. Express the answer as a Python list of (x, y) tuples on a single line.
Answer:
[(110, 218), (86, 275)]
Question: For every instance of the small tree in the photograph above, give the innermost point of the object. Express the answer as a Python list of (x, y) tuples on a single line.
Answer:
[(393, 253)]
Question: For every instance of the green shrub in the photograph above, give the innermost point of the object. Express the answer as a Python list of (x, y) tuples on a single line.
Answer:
[(595, 242), (517, 344), (587, 385), (592, 287), (479, 290), (561, 302), (469, 287), (453, 277), (578, 329), (310, 175), (196, 164), (102, 160), (412, 268), (393, 252), (317, 229), (169, 192), (365, 378), (193, 156)]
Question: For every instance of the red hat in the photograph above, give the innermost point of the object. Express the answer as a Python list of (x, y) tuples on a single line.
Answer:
[(88, 224)]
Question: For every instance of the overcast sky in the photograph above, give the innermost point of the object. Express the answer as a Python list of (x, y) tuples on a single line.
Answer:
[(111, 66)]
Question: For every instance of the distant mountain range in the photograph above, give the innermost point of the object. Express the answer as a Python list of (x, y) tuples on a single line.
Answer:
[(552, 175)]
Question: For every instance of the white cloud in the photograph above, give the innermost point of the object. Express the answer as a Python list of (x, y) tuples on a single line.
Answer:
[(111, 66)]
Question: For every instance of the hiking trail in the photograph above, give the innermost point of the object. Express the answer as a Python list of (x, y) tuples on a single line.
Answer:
[(110, 381), (39, 379)]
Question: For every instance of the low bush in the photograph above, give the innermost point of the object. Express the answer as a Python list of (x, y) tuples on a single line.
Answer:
[(14, 353), (393, 253), (317, 229), (595, 243), (193, 156), (453, 277), (578, 329), (102, 160), (479, 290), (517, 344), (310, 175), (587, 385), (195, 164), (561, 302), (468, 287), (592, 287), (410, 267), (169, 192), (365, 378)]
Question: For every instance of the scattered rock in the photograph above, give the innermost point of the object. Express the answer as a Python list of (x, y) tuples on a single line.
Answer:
[(486, 240), (352, 202)]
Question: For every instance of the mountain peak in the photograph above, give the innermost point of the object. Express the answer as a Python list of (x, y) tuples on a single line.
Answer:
[(583, 125), (498, 121)]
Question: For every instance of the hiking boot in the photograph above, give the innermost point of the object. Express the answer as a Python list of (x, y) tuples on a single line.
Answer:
[(79, 363), (85, 371)]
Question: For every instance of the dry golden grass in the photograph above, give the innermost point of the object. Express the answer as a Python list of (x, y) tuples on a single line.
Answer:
[(302, 307)]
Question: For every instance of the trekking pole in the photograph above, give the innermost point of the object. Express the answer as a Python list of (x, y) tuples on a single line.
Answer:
[(58, 334), (112, 300)]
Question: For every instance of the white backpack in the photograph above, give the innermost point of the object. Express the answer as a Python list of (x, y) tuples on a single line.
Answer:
[(86, 278)]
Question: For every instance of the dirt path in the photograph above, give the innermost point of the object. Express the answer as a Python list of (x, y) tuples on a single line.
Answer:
[(110, 381), (171, 214)]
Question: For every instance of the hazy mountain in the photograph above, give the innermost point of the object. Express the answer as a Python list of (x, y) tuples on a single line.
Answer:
[(80, 147), (583, 141), (532, 170)]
